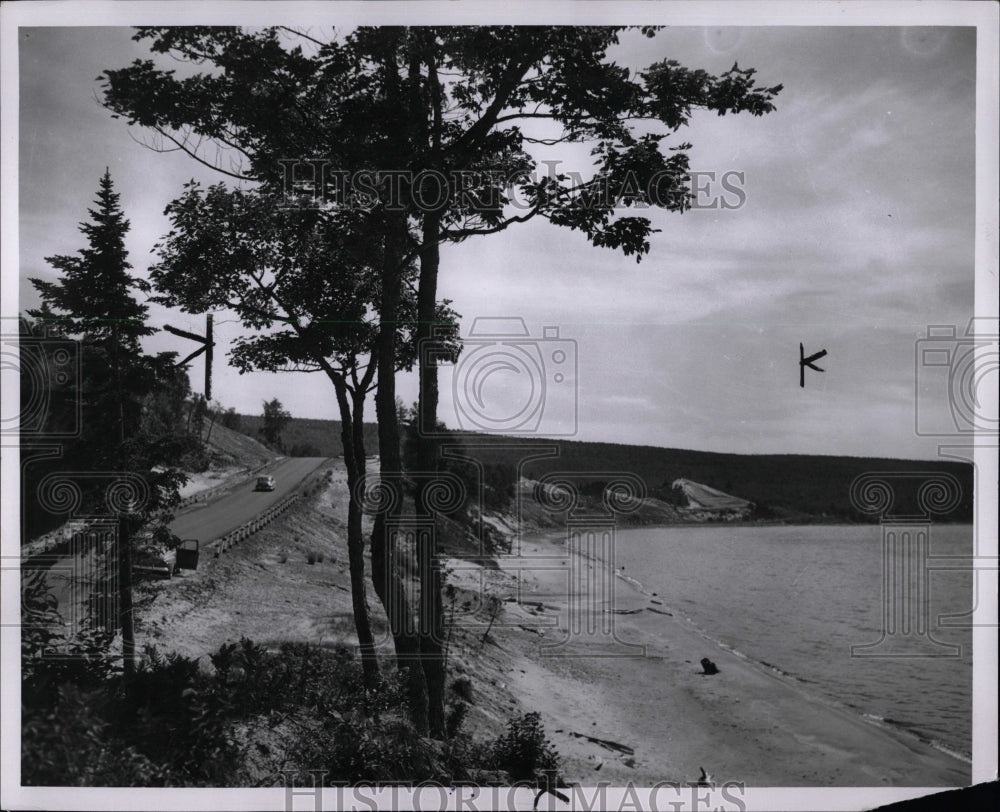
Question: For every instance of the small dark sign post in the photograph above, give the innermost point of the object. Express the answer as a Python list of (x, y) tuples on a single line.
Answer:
[(187, 555)]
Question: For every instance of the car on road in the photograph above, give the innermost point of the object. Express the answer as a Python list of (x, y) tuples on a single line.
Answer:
[(264, 483)]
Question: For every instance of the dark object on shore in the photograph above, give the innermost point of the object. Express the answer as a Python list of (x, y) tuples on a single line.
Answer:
[(709, 666), (608, 744), (462, 687), (704, 780)]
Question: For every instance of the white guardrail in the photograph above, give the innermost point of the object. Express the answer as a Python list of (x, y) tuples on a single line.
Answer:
[(247, 529), (209, 493), (49, 542)]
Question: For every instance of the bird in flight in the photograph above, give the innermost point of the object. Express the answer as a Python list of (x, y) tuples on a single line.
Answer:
[(808, 362)]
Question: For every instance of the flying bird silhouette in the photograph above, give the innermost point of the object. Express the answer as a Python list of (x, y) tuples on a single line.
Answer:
[(808, 362)]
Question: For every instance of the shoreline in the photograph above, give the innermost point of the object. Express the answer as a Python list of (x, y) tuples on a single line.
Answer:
[(899, 728), (612, 719), (749, 723)]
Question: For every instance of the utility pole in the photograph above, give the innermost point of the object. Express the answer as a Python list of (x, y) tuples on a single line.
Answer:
[(207, 343)]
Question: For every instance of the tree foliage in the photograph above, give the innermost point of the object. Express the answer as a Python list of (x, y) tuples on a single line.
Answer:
[(129, 402), (470, 108), (275, 420), (121, 439)]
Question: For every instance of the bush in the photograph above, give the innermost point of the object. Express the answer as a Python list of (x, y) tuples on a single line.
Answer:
[(232, 420), (179, 725), (456, 717), (176, 716), (71, 744), (523, 751), (50, 659), (462, 688)]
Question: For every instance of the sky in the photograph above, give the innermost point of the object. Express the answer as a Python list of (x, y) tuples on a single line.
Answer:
[(854, 231)]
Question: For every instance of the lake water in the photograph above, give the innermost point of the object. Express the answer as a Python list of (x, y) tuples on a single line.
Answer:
[(798, 598)]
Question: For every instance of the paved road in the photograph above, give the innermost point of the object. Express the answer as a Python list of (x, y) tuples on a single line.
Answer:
[(71, 577), (207, 522)]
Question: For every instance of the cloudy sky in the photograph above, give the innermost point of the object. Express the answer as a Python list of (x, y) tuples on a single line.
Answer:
[(855, 234)]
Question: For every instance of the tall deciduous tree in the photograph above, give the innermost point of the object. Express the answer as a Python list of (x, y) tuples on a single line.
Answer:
[(276, 417), (472, 106), (307, 292)]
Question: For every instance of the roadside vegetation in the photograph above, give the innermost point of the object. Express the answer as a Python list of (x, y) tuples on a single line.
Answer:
[(253, 718)]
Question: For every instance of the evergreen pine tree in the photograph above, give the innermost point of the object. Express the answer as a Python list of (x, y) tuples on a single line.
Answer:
[(94, 301)]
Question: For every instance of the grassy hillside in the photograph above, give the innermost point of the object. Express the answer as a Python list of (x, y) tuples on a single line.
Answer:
[(236, 447), (789, 486), (321, 435), (782, 484)]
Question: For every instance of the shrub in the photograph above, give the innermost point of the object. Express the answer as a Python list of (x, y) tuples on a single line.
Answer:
[(175, 716), (462, 687), (523, 751), (71, 744), (456, 717), (181, 726)]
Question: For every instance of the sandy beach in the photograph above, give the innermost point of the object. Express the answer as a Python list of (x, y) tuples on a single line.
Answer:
[(744, 724), (658, 717)]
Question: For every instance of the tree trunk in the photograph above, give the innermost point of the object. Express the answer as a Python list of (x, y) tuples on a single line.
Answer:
[(214, 414), (355, 535), (388, 585), (431, 608), (126, 616)]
